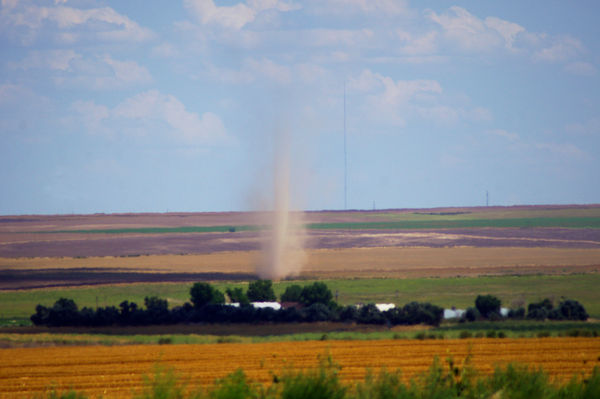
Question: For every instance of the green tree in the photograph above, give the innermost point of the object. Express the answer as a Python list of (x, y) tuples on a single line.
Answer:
[(203, 293), (261, 291), (316, 293), (487, 304), (237, 295), (293, 293)]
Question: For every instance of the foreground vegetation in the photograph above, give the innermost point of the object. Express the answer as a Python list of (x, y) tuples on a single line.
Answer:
[(442, 380)]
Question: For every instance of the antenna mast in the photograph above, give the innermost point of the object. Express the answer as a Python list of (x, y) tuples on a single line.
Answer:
[(345, 163)]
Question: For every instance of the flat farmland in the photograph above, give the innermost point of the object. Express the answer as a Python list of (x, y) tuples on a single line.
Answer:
[(117, 371), (377, 262)]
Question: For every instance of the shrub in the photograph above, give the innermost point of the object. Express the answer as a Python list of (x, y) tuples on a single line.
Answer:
[(465, 334), (472, 314), (234, 386), (387, 385), (349, 313), (369, 314), (322, 383), (317, 312), (516, 313), (164, 384)]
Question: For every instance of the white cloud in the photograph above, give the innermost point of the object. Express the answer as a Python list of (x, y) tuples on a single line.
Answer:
[(467, 31), (68, 68), (49, 59), (394, 92), (152, 106), (235, 16), (470, 33), (92, 114), (268, 69), (12, 95), (126, 72), (26, 22), (412, 44), (389, 101), (165, 50), (560, 49), (336, 37), (364, 7), (508, 30)]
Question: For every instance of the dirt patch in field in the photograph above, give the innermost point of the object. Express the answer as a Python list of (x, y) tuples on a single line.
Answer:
[(12, 279)]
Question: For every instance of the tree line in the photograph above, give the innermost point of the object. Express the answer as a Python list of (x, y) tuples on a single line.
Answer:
[(487, 307), (309, 303)]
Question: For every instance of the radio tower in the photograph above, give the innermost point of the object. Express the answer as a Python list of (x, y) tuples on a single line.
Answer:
[(345, 164)]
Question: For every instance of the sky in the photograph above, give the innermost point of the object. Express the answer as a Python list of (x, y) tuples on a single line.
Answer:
[(195, 105)]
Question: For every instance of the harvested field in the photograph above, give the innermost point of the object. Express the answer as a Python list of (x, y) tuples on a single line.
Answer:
[(131, 244), (396, 262), (117, 371)]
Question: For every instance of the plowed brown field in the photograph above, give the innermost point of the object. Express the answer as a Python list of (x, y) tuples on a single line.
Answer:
[(117, 371)]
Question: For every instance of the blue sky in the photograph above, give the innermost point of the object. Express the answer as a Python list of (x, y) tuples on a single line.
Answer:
[(138, 105)]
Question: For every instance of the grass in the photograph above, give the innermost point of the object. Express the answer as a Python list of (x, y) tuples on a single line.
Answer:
[(581, 217), (446, 292), (505, 329), (419, 223)]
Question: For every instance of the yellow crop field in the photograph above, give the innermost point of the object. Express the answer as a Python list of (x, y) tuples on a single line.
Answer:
[(117, 371)]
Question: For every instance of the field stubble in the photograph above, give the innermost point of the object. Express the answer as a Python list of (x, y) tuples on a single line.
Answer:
[(399, 262), (117, 371)]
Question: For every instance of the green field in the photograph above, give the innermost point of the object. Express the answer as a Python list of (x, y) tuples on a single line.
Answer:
[(445, 292), (421, 223)]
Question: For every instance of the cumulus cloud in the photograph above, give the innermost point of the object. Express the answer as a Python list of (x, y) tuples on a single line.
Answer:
[(560, 49), (268, 71), (26, 22), (395, 101), (92, 115), (149, 113), (394, 92), (363, 7), (235, 16), (471, 33), (69, 68)]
